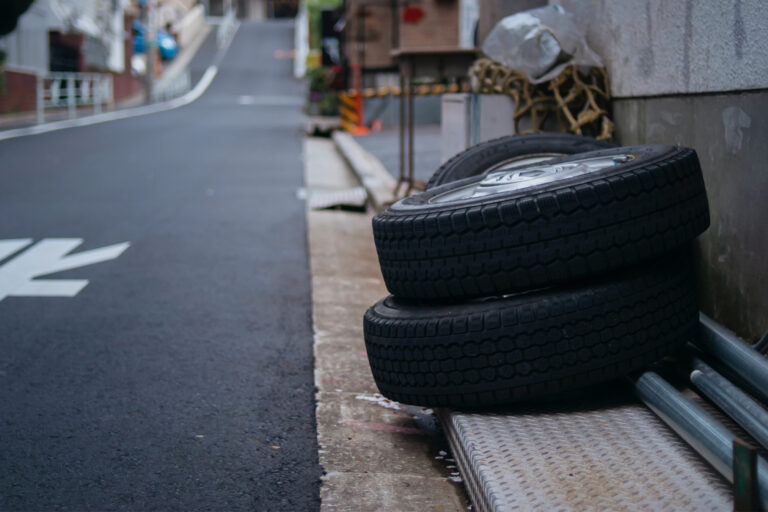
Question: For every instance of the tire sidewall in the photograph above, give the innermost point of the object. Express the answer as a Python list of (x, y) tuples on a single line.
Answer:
[(478, 159), (646, 155)]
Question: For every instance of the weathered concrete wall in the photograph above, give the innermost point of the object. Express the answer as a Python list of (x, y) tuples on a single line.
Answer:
[(729, 132), (658, 47), (678, 50)]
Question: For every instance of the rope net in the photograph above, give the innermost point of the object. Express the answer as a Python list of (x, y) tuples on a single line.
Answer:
[(579, 100)]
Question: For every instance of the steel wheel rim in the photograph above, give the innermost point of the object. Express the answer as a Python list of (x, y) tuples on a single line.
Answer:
[(518, 176), (522, 160)]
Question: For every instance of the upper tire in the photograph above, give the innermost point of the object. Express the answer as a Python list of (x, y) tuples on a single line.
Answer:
[(486, 155), (545, 235), (531, 345)]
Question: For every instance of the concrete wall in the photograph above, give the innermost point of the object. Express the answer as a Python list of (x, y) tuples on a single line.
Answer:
[(655, 47), (661, 56), (729, 133)]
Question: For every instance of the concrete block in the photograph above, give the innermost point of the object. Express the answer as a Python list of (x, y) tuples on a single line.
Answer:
[(469, 119), (454, 125)]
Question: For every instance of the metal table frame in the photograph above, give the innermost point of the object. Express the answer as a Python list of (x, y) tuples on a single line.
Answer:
[(439, 63)]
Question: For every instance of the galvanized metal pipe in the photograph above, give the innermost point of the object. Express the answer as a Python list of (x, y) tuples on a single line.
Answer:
[(740, 358), (733, 401), (707, 436)]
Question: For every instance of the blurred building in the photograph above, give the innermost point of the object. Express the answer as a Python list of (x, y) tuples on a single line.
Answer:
[(68, 35), (83, 36), (65, 35), (372, 29)]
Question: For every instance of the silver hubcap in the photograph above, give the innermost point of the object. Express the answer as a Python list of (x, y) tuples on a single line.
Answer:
[(520, 161), (513, 178)]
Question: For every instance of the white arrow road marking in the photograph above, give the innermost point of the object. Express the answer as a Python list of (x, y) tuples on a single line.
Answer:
[(8, 247), (50, 288), (17, 276)]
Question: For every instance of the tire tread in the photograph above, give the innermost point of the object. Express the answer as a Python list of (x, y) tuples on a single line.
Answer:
[(547, 238), (526, 348)]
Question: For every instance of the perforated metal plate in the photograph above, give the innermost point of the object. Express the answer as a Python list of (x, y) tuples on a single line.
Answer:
[(613, 457)]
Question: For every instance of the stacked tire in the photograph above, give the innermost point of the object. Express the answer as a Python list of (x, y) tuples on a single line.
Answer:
[(534, 265)]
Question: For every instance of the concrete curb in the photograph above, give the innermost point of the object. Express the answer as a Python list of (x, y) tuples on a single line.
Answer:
[(376, 454), (378, 183)]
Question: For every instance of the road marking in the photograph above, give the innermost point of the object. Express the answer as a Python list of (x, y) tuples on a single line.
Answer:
[(154, 108), (50, 255), (8, 247), (271, 101)]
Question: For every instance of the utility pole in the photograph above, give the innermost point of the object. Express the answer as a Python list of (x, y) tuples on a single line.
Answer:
[(149, 17)]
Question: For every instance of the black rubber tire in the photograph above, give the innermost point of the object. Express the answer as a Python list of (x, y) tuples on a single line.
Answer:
[(533, 345), (481, 157), (555, 233)]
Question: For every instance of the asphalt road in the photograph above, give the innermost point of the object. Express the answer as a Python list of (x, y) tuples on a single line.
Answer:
[(180, 377)]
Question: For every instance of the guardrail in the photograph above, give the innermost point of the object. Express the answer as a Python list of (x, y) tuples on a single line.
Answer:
[(171, 87), (73, 90), (225, 27)]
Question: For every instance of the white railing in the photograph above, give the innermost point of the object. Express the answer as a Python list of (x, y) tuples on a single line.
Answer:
[(74, 90), (225, 27), (172, 86)]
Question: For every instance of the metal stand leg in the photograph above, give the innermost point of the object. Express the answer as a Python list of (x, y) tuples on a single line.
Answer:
[(401, 169), (745, 486), (410, 130)]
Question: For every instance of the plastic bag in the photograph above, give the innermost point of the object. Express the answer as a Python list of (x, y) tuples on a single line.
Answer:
[(540, 43)]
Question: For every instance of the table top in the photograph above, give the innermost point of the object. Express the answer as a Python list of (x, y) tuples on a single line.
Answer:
[(425, 51)]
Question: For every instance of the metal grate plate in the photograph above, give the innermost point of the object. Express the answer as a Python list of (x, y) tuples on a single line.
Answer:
[(617, 456)]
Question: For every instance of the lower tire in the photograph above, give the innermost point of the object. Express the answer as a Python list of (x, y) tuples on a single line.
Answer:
[(531, 345), (517, 149)]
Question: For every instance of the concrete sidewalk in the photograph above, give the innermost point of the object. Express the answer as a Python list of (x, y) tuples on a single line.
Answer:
[(376, 454)]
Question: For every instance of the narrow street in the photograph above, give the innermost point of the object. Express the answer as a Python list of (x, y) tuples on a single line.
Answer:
[(180, 376)]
